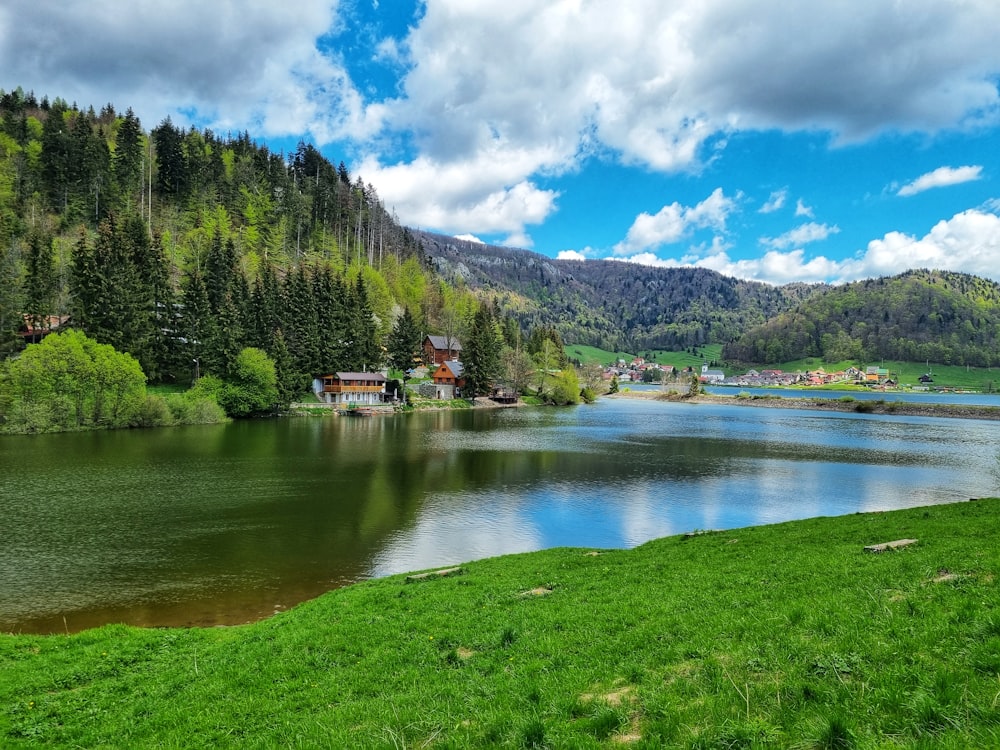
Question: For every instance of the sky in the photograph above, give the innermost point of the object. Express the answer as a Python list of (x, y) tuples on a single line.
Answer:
[(780, 141)]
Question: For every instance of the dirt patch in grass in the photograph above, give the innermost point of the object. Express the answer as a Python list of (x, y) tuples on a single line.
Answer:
[(945, 576), (539, 591), (614, 698)]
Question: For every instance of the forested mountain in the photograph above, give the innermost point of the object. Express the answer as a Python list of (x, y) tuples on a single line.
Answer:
[(937, 316), (610, 304)]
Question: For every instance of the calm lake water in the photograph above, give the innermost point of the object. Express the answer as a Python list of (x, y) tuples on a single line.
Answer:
[(229, 523)]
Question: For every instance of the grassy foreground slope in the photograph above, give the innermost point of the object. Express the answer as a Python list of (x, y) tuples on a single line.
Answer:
[(781, 636)]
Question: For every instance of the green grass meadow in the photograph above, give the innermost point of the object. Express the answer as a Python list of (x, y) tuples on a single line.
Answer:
[(786, 636)]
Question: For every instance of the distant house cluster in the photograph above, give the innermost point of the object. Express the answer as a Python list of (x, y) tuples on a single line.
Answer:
[(636, 371), (871, 376)]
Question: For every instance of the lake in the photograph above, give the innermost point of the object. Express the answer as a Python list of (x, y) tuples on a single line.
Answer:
[(224, 524)]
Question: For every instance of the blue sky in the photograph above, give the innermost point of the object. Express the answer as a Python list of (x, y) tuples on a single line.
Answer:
[(781, 141)]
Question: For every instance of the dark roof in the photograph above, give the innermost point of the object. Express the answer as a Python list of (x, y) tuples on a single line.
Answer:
[(441, 343), (375, 377)]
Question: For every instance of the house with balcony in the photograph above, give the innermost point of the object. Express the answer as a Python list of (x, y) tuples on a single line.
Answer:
[(350, 389)]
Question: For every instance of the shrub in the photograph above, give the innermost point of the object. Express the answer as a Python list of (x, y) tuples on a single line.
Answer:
[(154, 412)]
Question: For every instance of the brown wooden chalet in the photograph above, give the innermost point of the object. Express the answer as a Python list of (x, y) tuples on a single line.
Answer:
[(351, 388), (439, 349), (34, 329), (449, 379)]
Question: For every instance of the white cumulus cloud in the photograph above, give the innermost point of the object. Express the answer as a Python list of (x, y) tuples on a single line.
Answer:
[(941, 177), (775, 202), (801, 235), (674, 222), (968, 242)]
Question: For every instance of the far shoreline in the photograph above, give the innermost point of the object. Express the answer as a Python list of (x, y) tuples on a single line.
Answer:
[(843, 405)]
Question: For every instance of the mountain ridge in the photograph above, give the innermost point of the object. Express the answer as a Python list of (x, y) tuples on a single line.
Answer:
[(945, 317)]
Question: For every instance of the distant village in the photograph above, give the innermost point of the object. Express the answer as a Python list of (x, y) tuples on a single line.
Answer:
[(641, 371)]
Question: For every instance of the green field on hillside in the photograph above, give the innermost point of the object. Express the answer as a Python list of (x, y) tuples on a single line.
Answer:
[(785, 636), (908, 373)]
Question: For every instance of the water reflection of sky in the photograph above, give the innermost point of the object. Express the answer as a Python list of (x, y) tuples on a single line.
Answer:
[(765, 466)]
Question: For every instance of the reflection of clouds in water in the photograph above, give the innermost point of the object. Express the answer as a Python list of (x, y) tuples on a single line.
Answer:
[(646, 514), (457, 528), (804, 465)]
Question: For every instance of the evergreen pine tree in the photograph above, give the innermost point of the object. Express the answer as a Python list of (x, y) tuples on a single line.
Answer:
[(10, 301), (289, 382), (365, 353), (128, 160), (40, 282), (196, 325), (298, 321), (404, 342), (481, 353), (328, 295)]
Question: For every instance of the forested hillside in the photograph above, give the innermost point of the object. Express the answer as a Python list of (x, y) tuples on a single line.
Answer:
[(182, 247), (613, 305), (920, 315)]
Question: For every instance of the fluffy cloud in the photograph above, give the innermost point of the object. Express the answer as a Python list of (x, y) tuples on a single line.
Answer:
[(775, 202), (674, 222), (570, 255), (968, 242), (801, 209), (451, 196), (228, 63), (649, 82), (801, 235), (941, 177)]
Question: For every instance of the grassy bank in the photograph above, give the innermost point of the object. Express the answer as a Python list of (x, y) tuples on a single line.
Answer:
[(781, 636)]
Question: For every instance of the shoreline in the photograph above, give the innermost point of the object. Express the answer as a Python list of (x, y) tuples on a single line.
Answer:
[(852, 406)]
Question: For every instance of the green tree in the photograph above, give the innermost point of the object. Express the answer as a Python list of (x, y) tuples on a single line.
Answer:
[(404, 342), (172, 168), (69, 381), (10, 300), (252, 385), (299, 323), (481, 353), (196, 325), (516, 367), (546, 360), (127, 161), (365, 353), (565, 388), (40, 282), (287, 383)]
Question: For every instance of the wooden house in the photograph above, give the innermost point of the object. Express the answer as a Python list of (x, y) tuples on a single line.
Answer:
[(34, 329), (346, 389), (439, 349), (449, 380)]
